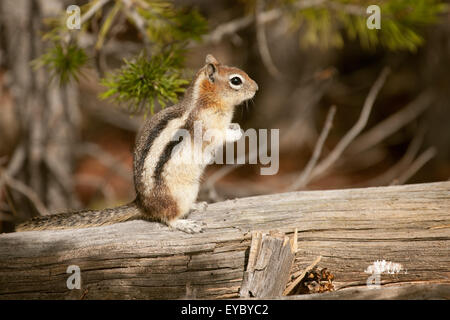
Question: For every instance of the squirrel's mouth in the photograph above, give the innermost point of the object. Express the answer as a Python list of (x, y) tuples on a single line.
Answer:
[(245, 100)]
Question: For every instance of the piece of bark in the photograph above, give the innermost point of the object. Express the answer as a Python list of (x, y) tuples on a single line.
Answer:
[(269, 265)]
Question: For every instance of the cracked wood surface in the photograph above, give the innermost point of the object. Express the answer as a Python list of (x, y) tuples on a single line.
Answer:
[(350, 229)]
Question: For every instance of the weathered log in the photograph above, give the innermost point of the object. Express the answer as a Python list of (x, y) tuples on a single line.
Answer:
[(350, 229)]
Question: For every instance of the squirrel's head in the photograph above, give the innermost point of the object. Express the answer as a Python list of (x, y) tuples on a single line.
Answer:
[(223, 85)]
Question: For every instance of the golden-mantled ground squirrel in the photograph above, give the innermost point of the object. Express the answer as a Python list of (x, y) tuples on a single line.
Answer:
[(166, 186)]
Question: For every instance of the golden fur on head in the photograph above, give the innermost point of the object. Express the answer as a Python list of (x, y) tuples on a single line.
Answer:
[(216, 88)]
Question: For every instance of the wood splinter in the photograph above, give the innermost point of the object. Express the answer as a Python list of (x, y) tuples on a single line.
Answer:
[(269, 264)]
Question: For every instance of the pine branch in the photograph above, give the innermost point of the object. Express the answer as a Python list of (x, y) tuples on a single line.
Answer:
[(143, 81)]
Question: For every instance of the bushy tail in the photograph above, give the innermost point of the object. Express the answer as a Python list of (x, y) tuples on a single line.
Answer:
[(83, 219)]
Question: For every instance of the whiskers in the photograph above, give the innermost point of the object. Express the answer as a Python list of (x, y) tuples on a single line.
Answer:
[(253, 100), (245, 105)]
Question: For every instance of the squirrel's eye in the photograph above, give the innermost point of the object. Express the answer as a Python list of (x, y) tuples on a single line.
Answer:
[(236, 81)]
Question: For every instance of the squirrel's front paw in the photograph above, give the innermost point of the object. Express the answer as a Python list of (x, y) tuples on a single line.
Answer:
[(186, 225), (233, 132)]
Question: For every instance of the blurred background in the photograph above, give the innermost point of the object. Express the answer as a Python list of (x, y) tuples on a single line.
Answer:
[(356, 107)]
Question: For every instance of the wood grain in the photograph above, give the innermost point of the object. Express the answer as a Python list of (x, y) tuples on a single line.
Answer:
[(350, 229)]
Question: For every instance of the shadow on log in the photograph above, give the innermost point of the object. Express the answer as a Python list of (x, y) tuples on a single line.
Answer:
[(408, 225)]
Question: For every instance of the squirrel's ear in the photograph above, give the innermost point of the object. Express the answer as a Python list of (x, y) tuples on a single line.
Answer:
[(211, 60), (211, 67)]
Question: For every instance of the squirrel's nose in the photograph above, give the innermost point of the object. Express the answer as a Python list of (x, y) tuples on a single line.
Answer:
[(256, 87)]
